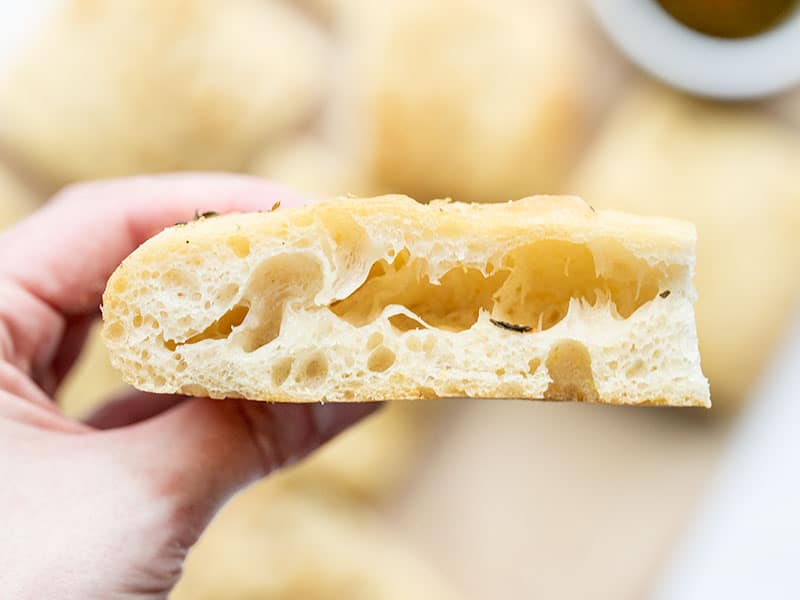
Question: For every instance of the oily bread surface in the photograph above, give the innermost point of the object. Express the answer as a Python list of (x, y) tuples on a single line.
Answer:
[(267, 306)]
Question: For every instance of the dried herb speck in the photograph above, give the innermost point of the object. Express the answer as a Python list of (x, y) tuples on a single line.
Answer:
[(511, 326), (205, 215), (275, 206), (665, 293)]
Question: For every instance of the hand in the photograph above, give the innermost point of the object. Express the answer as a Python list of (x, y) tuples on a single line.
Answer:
[(108, 508)]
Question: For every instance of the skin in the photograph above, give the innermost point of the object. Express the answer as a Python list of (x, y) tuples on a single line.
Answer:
[(108, 508)]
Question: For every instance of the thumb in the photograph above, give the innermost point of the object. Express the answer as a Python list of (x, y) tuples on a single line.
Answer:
[(199, 453)]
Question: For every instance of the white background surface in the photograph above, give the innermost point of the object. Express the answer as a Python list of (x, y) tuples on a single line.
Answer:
[(745, 539)]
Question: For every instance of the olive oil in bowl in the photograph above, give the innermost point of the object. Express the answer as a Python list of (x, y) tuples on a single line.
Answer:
[(730, 18)]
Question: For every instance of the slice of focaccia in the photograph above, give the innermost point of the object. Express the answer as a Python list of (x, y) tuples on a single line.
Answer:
[(385, 298)]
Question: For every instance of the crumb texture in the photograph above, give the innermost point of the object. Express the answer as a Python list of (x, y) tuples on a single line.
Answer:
[(385, 298)]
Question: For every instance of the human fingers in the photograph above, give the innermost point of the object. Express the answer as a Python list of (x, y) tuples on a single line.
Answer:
[(199, 453), (54, 265)]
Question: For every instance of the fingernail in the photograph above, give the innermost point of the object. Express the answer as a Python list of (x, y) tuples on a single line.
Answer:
[(331, 419)]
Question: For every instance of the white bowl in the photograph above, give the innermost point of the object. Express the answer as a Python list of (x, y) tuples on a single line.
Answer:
[(720, 68)]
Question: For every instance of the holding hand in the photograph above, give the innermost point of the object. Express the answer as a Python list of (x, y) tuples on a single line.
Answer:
[(109, 508)]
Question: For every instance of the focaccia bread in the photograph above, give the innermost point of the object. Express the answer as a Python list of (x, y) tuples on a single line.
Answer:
[(385, 298), (313, 166), (164, 85), (474, 100)]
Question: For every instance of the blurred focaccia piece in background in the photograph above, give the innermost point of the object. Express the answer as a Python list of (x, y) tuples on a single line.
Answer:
[(374, 460), (313, 166), (16, 200), (733, 172), (119, 87), (473, 100), (274, 544)]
